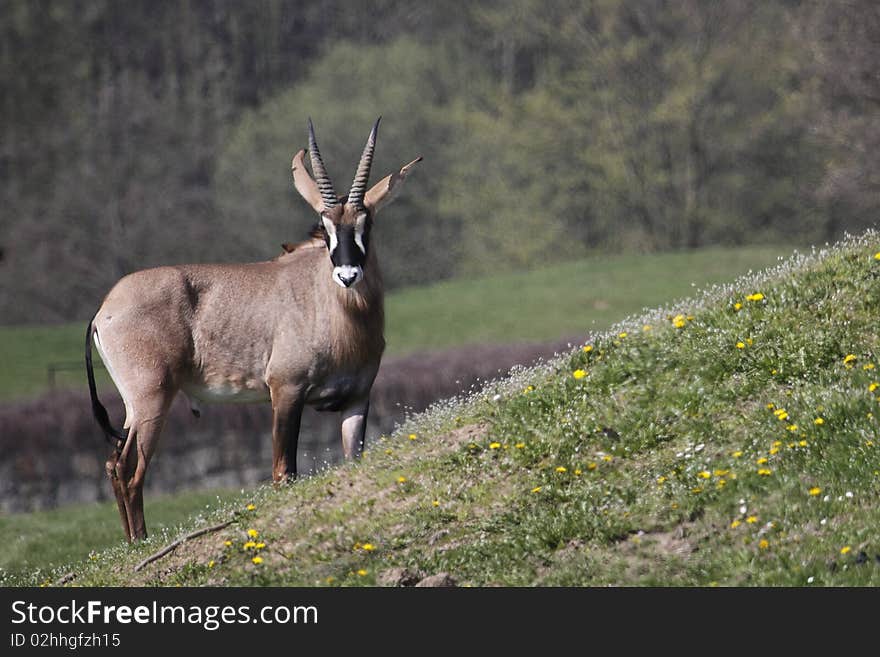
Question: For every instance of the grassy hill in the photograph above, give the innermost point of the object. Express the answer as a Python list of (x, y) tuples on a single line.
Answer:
[(730, 439), (547, 304)]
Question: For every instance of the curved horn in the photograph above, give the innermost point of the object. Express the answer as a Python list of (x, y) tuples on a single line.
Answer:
[(320, 173), (359, 186)]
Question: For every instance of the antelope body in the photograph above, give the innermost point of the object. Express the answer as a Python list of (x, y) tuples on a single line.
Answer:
[(301, 329)]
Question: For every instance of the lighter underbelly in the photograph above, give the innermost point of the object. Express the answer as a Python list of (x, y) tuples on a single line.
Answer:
[(227, 392)]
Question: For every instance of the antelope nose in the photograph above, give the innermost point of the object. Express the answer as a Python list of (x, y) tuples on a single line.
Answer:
[(348, 279)]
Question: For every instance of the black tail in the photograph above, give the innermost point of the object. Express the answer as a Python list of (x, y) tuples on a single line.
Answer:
[(114, 436)]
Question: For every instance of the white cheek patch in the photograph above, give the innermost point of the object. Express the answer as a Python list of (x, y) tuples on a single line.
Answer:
[(359, 226), (331, 233)]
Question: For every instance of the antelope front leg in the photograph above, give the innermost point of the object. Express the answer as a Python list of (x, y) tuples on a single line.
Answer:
[(354, 426), (287, 407)]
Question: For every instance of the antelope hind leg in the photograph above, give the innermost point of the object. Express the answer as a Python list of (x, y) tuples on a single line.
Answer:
[(131, 466), (118, 491)]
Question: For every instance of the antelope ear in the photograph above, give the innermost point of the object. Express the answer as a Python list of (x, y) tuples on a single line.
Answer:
[(384, 191), (288, 247), (305, 184)]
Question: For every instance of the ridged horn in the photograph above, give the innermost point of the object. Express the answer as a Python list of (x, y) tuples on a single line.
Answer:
[(325, 186), (359, 186)]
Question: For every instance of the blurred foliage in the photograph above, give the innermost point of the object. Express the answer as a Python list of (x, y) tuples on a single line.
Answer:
[(157, 133)]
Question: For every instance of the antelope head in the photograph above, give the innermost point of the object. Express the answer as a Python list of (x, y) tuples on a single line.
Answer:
[(345, 222)]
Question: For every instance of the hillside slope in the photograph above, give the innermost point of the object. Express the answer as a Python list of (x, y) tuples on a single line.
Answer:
[(730, 439)]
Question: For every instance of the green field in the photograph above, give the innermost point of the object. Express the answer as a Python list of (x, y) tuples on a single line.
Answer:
[(732, 439), (37, 540), (560, 301)]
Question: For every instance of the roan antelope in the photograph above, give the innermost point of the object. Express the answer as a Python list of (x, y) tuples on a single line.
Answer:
[(304, 328)]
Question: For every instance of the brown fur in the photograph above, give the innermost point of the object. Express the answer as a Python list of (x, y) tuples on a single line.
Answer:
[(281, 331)]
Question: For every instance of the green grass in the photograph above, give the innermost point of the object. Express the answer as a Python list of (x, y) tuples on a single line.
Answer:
[(42, 539), (689, 453), (560, 301)]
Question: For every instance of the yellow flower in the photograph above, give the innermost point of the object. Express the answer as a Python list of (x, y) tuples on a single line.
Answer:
[(622, 335), (211, 563), (792, 427), (815, 490), (661, 480), (849, 358), (705, 474), (578, 472), (529, 389), (587, 348), (736, 454), (646, 328), (873, 386), (248, 545), (762, 460), (260, 545), (696, 489), (368, 547), (765, 472), (251, 507), (877, 255), (776, 443), (330, 579), (819, 421), (757, 296), (737, 306), (781, 414), (435, 503), (561, 468), (607, 458), (401, 480), (721, 484), (253, 533), (740, 345), (752, 520), (227, 543), (846, 549), (257, 560), (803, 443), (773, 450), (763, 544), (520, 445), (412, 436), (868, 366), (536, 489), (678, 321), (579, 374), (362, 572), (494, 445), (592, 465), (721, 473)]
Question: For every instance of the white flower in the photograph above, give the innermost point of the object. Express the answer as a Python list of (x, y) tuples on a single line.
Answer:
[(810, 579), (849, 493)]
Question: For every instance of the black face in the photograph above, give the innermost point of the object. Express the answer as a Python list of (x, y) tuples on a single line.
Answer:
[(347, 245)]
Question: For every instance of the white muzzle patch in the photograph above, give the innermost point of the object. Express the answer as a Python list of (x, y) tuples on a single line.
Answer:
[(347, 276)]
